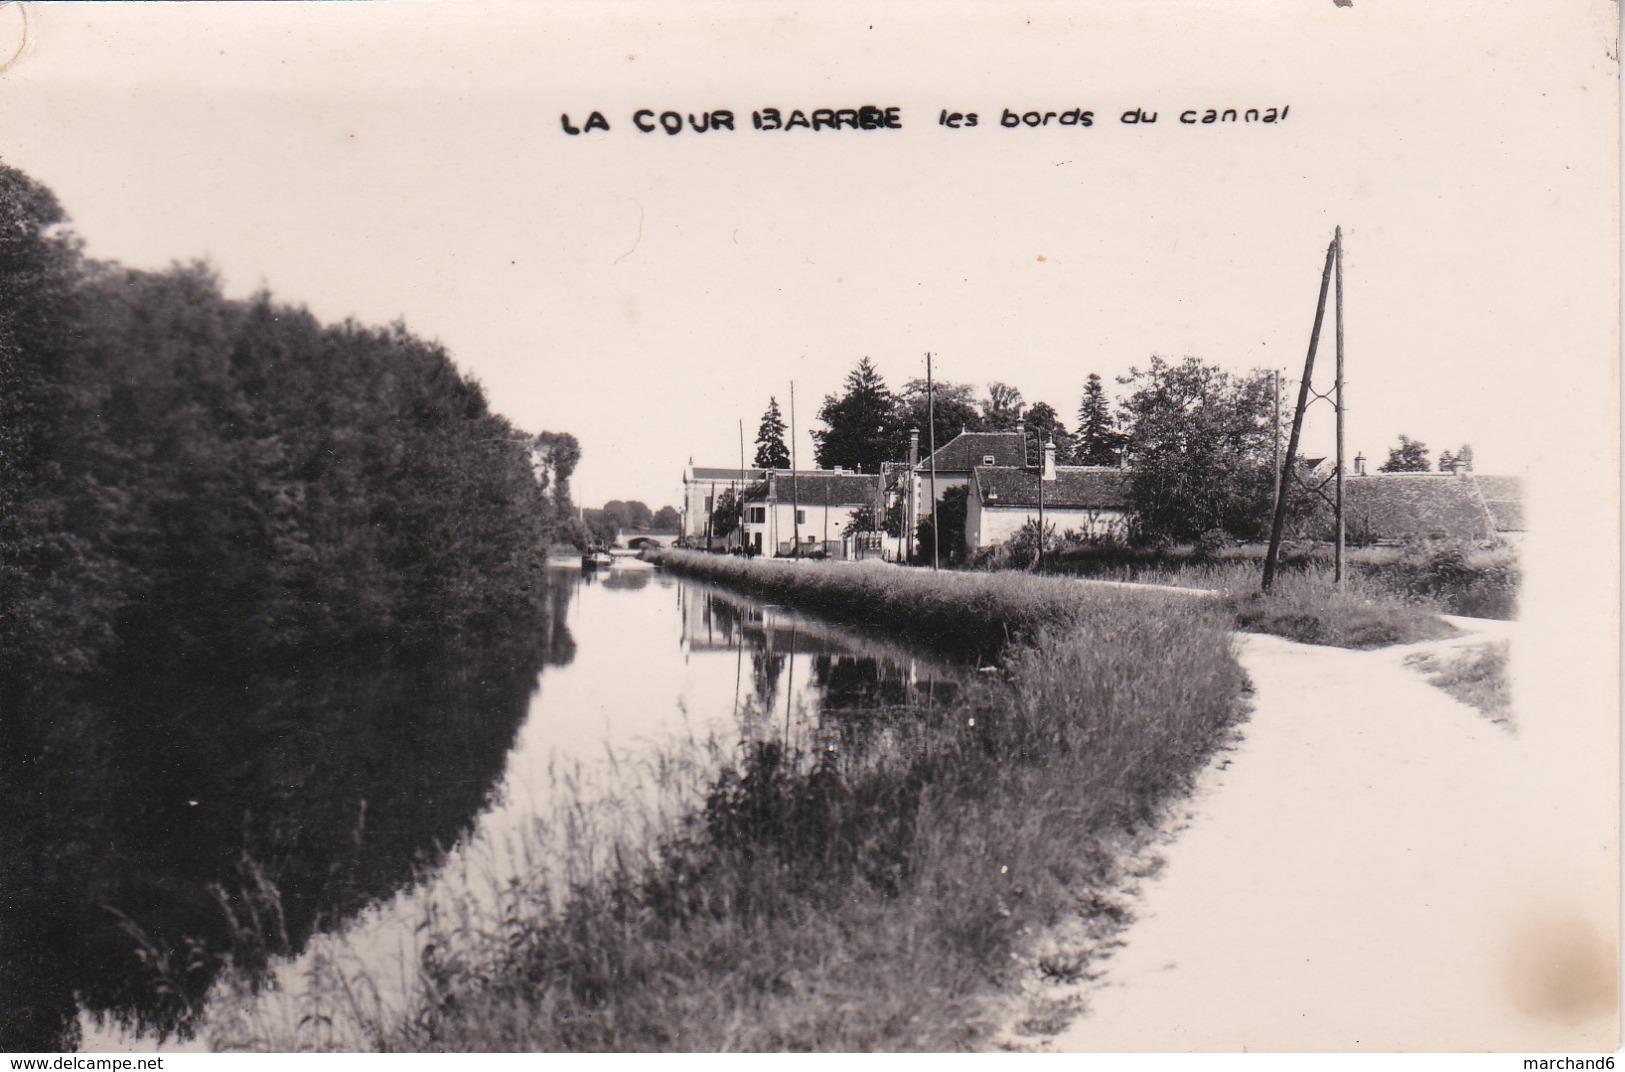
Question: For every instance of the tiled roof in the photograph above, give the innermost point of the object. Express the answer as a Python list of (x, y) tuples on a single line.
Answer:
[(816, 488), (1504, 496), (1428, 505), (965, 451), (1075, 487), (704, 473)]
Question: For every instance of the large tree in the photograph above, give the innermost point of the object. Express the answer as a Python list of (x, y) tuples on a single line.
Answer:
[(1411, 456), (1002, 409), (1098, 441), (859, 424), (771, 453), (1044, 426), (953, 409), (554, 457), (1201, 441), (633, 516)]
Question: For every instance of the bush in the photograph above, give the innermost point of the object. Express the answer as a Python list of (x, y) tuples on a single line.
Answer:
[(1308, 607), (1462, 577)]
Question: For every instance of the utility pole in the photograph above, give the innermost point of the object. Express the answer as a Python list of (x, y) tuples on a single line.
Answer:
[(1337, 569), (739, 496), (931, 429), (1272, 558), (795, 499), (1275, 434)]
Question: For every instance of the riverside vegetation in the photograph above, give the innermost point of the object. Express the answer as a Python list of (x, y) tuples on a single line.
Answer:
[(880, 884), (230, 536)]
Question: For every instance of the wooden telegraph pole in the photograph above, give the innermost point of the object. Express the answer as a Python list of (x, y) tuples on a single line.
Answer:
[(1337, 404), (795, 498), (1271, 560), (931, 430)]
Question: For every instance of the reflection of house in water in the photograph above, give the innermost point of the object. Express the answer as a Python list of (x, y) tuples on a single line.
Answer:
[(807, 668)]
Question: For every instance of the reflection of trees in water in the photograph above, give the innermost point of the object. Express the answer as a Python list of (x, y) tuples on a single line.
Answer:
[(151, 828), (866, 681), (561, 646), (628, 580), (766, 668)]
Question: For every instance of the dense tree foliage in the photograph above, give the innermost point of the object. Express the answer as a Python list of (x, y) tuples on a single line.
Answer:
[(725, 515), (859, 424), (1411, 456), (1044, 425), (1002, 409), (1460, 461), (950, 515), (955, 409), (204, 500), (771, 452), (1201, 441), (188, 477)]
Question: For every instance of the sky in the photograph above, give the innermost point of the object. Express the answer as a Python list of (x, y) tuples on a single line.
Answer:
[(647, 292)]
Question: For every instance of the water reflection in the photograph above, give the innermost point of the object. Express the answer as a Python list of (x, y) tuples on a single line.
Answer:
[(152, 828), (843, 672), (339, 785)]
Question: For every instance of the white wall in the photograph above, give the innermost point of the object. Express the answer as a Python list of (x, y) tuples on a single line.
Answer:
[(986, 526), (778, 524)]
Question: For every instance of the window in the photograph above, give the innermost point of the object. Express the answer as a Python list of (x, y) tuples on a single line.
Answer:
[(987, 459), (708, 506), (758, 514), (801, 517)]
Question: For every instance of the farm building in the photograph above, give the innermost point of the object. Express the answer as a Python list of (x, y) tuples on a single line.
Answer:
[(1504, 497), (1089, 500), (1389, 507)]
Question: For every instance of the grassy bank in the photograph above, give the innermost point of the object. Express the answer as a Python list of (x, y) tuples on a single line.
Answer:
[(1449, 575), (881, 887), (971, 615), (1371, 609)]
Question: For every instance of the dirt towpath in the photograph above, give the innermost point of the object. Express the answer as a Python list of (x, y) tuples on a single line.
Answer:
[(1366, 871)]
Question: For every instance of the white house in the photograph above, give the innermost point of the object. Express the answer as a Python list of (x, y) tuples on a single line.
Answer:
[(1090, 500), (702, 487), (809, 511), (951, 467)]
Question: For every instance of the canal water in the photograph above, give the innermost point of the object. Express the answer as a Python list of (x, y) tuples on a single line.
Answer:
[(646, 683)]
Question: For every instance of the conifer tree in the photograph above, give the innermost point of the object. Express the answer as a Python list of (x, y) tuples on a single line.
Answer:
[(1098, 440), (858, 425), (771, 453)]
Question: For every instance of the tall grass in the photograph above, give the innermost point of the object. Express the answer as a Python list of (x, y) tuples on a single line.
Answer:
[(1477, 676), (880, 884), (1308, 607), (1456, 576), (970, 615)]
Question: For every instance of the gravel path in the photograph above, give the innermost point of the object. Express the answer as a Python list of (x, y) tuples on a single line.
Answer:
[(1366, 871)]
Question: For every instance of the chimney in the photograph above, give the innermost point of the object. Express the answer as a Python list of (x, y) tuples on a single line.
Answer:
[(1021, 427), (1049, 459), (913, 447), (1359, 464)]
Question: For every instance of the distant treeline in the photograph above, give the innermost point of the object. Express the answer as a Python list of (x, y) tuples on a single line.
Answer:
[(185, 477)]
